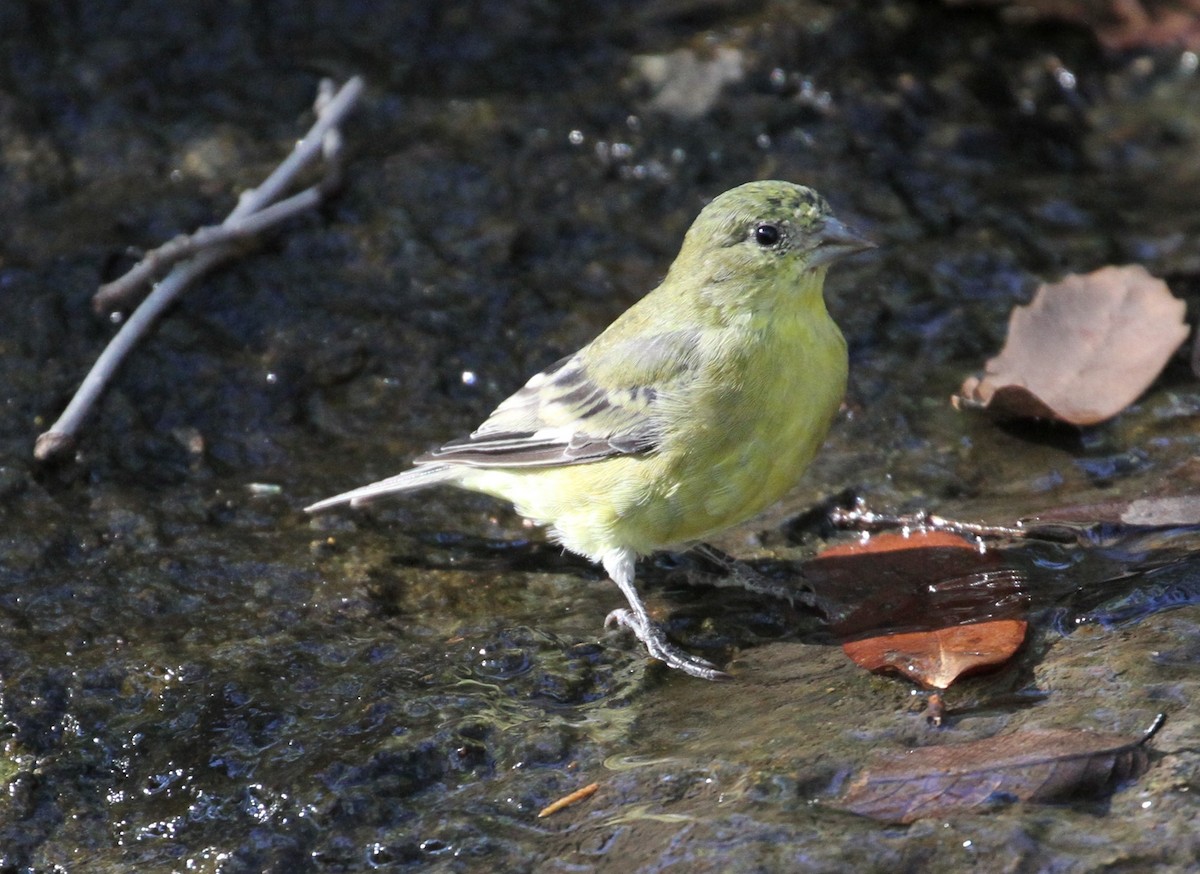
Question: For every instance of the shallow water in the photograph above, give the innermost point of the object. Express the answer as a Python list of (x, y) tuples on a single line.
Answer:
[(196, 676)]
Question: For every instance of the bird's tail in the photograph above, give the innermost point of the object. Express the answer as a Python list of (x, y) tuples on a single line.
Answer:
[(420, 477)]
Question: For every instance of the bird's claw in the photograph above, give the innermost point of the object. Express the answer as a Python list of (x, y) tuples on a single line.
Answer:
[(735, 573), (659, 647), (619, 617)]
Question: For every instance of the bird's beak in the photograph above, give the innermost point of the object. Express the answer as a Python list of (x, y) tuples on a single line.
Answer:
[(837, 240)]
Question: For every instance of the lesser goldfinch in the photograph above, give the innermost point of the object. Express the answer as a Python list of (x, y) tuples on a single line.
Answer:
[(696, 409)]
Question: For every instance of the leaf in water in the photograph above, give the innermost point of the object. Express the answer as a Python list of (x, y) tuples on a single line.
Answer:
[(929, 605), (1035, 765), (913, 582), (935, 659), (892, 542), (1083, 350)]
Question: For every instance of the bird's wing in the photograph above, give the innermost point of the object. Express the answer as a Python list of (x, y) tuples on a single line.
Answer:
[(600, 402)]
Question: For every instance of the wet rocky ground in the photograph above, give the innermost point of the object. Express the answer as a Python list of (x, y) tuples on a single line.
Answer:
[(196, 676)]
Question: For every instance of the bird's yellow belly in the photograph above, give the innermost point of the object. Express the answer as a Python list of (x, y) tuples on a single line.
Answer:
[(740, 452), (744, 470)]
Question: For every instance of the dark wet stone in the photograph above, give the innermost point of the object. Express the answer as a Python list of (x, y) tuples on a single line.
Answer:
[(192, 669)]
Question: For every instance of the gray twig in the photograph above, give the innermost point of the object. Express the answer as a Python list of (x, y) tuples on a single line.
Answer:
[(861, 518), (195, 254)]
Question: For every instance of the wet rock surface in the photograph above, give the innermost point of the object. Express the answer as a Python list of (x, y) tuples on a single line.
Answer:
[(195, 676)]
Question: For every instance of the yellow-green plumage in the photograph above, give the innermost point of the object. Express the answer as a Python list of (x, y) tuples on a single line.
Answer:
[(761, 403), (695, 410)]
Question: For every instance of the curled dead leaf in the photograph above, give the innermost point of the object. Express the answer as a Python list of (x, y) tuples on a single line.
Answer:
[(1034, 765), (1083, 350)]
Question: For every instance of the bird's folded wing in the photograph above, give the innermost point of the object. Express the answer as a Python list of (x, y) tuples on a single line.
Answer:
[(603, 401)]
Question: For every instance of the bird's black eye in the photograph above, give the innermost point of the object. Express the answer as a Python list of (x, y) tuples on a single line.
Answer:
[(766, 235)]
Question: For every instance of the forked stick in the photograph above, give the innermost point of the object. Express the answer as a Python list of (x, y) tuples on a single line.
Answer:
[(194, 255)]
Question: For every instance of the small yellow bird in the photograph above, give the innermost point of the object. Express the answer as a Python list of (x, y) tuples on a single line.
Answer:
[(696, 409)]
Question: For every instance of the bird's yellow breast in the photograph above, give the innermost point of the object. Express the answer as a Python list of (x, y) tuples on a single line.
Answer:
[(743, 437)]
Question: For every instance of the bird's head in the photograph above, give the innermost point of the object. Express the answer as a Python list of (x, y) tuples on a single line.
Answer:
[(763, 238)]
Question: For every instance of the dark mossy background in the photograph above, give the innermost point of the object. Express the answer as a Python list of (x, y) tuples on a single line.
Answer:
[(194, 676)]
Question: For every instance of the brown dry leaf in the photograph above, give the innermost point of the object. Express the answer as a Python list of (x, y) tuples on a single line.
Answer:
[(928, 605), (1035, 765), (1083, 350), (1168, 511)]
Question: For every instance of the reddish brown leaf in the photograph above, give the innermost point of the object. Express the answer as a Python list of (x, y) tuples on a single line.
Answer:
[(889, 541), (1083, 350), (935, 659), (929, 605), (1035, 765)]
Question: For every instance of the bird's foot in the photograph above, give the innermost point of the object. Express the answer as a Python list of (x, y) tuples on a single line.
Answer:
[(732, 573), (659, 647)]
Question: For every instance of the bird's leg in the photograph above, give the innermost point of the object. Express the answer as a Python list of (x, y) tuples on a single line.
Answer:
[(734, 573), (619, 564)]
